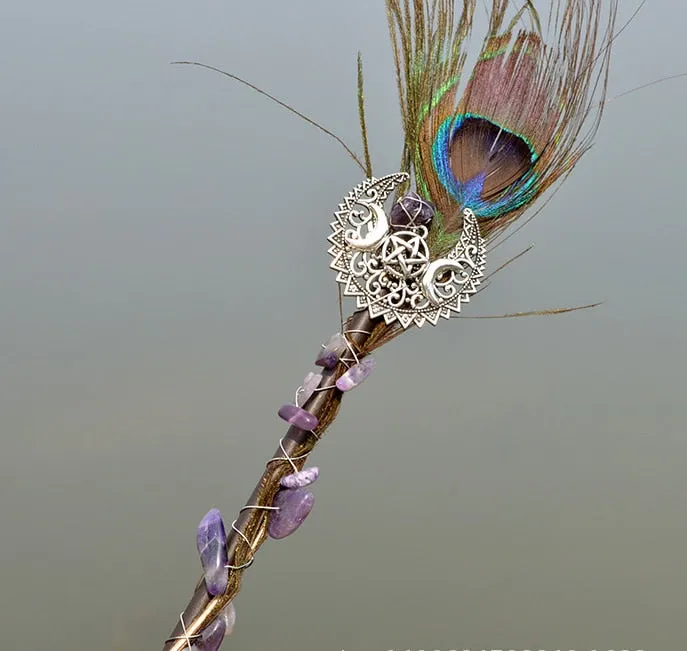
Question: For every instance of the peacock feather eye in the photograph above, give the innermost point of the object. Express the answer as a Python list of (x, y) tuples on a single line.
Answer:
[(484, 166), (528, 111)]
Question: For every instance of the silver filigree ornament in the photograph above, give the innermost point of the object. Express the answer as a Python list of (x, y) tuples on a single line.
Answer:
[(389, 269)]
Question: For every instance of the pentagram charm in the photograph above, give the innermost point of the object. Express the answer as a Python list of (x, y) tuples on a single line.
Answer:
[(386, 263)]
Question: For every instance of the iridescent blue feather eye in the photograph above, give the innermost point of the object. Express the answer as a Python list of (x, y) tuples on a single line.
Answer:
[(483, 166), (526, 113)]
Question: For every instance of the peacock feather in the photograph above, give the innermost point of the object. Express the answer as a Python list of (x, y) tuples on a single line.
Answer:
[(527, 113)]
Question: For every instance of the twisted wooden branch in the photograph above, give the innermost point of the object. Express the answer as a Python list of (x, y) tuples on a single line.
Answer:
[(365, 335)]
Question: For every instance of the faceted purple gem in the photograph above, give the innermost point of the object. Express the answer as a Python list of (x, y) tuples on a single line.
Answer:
[(294, 506), (310, 383), (213, 636), (297, 416), (211, 540), (301, 478), (332, 351), (411, 211), (356, 375)]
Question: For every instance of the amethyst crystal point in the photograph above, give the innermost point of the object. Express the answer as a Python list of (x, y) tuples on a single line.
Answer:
[(332, 351), (294, 506), (301, 478), (212, 547), (411, 211), (356, 375), (310, 383), (294, 415)]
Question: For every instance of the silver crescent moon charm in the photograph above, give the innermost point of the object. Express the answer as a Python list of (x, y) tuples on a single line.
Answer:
[(436, 270), (460, 267), (384, 260), (375, 234)]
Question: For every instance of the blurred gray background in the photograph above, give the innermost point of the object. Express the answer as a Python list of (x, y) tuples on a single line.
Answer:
[(514, 483)]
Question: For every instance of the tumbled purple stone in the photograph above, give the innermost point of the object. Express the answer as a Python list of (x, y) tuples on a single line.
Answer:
[(211, 540), (332, 351), (229, 616), (213, 636), (310, 383), (356, 375), (297, 416), (294, 506), (411, 210), (301, 478)]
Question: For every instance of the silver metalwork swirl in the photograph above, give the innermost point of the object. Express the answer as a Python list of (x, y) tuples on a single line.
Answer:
[(389, 270), (446, 277), (378, 227)]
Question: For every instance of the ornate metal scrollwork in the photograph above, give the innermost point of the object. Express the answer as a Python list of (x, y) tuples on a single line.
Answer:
[(386, 265)]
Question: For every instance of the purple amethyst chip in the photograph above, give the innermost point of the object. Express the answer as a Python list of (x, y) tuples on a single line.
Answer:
[(211, 541), (294, 506), (411, 211)]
